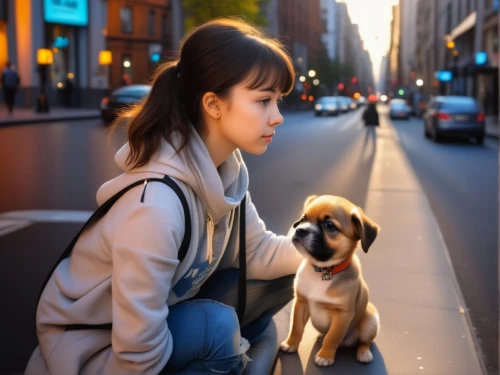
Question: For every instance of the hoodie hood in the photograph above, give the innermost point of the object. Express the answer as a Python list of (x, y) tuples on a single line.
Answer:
[(220, 189)]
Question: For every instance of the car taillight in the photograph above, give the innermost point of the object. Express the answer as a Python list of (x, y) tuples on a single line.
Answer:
[(104, 102), (443, 116), (480, 117)]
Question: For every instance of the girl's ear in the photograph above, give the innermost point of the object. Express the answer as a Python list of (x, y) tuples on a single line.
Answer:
[(210, 105)]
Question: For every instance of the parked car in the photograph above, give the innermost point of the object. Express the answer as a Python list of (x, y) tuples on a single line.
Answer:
[(343, 104), (398, 109), (120, 98), (454, 115), (327, 105)]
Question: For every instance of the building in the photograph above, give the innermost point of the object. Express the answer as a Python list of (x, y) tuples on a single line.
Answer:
[(139, 36), (408, 41), (330, 32), (72, 31)]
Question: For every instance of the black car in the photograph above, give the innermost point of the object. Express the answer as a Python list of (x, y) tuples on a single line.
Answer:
[(454, 115), (120, 98)]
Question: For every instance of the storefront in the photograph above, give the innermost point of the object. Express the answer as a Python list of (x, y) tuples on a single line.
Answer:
[(64, 20)]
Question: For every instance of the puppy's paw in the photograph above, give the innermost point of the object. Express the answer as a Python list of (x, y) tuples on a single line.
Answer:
[(323, 362), (364, 355), (288, 347)]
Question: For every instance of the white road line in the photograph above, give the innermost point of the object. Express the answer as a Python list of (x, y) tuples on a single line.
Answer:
[(16, 220)]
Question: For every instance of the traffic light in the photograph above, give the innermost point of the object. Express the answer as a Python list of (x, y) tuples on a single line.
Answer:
[(340, 86), (354, 80)]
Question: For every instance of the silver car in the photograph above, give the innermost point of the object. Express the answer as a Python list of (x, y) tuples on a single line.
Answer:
[(454, 115), (398, 109)]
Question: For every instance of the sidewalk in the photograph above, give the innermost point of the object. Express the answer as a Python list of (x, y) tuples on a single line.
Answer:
[(29, 116), (492, 126), (424, 324)]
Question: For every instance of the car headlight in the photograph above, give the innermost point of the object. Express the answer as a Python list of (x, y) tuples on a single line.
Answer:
[(318, 107), (331, 107)]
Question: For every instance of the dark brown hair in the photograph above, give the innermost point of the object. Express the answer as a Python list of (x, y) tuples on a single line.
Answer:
[(213, 58)]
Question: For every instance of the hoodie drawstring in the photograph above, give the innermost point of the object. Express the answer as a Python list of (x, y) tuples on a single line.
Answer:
[(210, 234)]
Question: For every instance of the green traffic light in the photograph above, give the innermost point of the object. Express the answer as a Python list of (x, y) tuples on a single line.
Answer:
[(401, 92)]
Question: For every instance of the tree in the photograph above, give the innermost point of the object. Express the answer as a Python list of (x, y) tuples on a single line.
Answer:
[(200, 11)]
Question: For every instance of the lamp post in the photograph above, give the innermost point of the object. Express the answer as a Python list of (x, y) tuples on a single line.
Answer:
[(44, 58)]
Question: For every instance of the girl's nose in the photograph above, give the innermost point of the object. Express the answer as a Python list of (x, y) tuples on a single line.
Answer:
[(276, 119)]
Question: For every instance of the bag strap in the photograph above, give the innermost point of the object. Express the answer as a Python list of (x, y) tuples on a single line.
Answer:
[(104, 208), (242, 287)]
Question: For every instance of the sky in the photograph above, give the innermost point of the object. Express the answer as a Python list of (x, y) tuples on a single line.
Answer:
[(374, 19)]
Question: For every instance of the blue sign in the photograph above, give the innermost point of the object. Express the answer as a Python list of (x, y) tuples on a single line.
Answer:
[(60, 42), (444, 75), (155, 57), (481, 58), (66, 12)]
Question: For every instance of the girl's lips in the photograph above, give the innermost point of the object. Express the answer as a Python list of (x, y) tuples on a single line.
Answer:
[(268, 138)]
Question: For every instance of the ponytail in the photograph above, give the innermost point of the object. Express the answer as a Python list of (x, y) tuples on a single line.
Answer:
[(156, 118)]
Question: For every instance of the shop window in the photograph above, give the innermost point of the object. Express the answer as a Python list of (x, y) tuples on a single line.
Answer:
[(126, 78), (151, 23), (126, 19)]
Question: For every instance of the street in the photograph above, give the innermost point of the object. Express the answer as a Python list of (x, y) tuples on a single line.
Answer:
[(56, 166)]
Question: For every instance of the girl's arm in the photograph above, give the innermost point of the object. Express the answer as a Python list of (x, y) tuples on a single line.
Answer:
[(269, 256), (144, 256)]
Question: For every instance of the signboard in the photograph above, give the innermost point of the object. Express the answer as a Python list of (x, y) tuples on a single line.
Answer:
[(66, 12), (444, 75)]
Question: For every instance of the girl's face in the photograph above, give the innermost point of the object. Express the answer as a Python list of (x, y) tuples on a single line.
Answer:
[(249, 117)]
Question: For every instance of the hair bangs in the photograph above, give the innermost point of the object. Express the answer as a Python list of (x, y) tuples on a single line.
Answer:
[(273, 70)]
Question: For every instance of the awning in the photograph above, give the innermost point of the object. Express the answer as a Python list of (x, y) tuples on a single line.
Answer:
[(468, 23)]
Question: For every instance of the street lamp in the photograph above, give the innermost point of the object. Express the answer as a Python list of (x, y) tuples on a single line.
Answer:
[(44, 58), (316, 82), (302, 79), (312, 73), (420, 82)]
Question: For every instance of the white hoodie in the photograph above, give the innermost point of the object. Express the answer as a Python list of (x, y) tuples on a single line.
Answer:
[(124, 268)]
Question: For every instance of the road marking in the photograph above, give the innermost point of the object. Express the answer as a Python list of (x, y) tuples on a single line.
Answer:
[(16, 220)]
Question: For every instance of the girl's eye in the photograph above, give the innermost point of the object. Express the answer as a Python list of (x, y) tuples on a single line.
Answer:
[(280, 100), (330, 226), (265, 101)]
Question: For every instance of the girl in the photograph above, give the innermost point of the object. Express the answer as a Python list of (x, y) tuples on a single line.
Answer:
[(221, 96)]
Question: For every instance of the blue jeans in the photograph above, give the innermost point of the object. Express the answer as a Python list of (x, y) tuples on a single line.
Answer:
[(205, 329)]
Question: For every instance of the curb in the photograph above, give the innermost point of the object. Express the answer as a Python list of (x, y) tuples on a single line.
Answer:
[(48, 119)]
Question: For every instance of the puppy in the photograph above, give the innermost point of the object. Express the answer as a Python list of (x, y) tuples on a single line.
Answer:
[(329, 287)]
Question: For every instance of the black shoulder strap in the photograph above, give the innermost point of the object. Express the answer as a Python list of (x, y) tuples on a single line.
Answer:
[(104, 208), (242, 288)]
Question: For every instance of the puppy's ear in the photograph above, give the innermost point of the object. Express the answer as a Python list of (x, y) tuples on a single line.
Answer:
[(296, 224), (309, 200), (364, 227)]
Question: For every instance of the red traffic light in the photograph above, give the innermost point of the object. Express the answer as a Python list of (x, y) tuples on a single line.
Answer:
[(340, 86), (354, 80)]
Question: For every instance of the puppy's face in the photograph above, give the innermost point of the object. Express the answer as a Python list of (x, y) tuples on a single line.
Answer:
[(330, 228)]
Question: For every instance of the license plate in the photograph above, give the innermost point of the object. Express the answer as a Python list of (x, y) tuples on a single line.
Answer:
[(461, 118)]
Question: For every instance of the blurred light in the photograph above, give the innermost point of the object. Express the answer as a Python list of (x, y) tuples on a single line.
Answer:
[(420, 82), (412, 75), (357, 95), (155, 57), (444, 75), (44, 56), (450, 44), (300, 59), (71, 75), (55, 50), (372, 98), (126, 64), (401, 92), (481, 58), (104, 102), (311, 98), (340, 86), (105, 58), (302, 79), (383, 98), (303, 97), (455, 52), (59, 84), (312, 73), (316, 82), (318, 107), (354, 80)]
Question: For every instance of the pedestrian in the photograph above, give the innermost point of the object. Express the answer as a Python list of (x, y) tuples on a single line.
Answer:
[(221, 96), (10, 83), (370, 115)]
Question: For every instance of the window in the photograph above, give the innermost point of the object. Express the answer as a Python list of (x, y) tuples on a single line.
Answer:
[(151, 23), (164, 26), (126, 19)]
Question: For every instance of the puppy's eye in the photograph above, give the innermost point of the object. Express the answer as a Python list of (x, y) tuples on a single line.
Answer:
[(329, 226)]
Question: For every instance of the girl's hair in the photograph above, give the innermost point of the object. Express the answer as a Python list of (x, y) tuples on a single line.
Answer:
[(213, 58)]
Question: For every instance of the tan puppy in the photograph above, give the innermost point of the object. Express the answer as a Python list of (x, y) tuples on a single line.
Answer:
[(329, 286)]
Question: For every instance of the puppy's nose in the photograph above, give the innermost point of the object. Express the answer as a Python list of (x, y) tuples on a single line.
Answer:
[(301, 232)]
